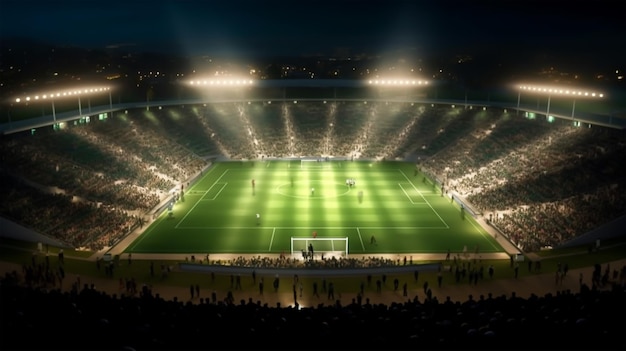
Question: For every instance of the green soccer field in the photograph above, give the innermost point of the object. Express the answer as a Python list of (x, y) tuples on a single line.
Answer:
[(402, 210)]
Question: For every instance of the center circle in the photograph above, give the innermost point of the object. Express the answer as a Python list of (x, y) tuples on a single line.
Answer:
[(313, 189)]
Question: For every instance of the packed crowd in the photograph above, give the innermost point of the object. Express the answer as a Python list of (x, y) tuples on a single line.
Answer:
[(539, 183), (585, 319), (79, 223), (90, 185), (339, 129), (292, 262)]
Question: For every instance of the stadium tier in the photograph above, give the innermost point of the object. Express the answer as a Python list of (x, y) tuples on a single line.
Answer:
[(188, 168), (311, 203)]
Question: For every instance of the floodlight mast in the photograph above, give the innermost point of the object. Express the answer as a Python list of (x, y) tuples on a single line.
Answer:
[(385, 85), (65, 93), (206, 85), (397, 82), (556, 91)]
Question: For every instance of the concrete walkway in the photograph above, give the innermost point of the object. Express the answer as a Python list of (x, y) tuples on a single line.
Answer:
[(537, 284)]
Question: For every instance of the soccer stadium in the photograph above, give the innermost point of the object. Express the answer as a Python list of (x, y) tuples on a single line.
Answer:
[(361, 202)]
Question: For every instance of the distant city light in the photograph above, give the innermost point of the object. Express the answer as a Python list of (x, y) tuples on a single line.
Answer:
[(560, 91), (397, 82), (52, 95)]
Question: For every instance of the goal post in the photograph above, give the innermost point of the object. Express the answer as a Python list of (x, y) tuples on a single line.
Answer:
[(308, 163), (325, 246)]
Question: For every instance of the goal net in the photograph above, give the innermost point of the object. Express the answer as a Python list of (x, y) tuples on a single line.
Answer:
[(329, 247), (314, 164)]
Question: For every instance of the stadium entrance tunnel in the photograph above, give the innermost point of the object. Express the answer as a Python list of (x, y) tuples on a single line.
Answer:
[(316, 189)]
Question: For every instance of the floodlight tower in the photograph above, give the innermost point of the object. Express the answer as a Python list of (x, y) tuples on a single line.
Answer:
[(65, 94), (218, 83), (398, 83), (559, 91), (583, 94)]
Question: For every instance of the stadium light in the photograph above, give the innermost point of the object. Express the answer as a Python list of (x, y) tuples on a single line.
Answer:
[(559, 91), (397, 82), (64, 94), (219, 85), (221, 82), (387, 86)]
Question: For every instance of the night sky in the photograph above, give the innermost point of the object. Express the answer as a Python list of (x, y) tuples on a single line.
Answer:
[(596, 29)]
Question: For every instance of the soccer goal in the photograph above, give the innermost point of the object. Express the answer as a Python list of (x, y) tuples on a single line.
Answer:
[(328, 247), (306, 163)]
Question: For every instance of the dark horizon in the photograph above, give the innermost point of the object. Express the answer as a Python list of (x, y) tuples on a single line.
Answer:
[(247, 29)]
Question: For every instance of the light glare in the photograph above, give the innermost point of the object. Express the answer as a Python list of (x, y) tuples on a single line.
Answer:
[(62, 93), (560, 91)]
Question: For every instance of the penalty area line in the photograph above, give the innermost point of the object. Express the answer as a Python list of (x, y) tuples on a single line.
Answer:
[(360, 238), (272, 239)]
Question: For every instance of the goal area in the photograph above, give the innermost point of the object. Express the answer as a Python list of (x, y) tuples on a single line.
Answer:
[(328, 247), (317, 163)]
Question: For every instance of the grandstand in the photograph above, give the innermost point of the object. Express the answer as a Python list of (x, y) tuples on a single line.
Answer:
[(112, 172), (97, 184)]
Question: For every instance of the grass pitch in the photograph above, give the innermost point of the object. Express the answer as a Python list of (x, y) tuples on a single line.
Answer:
[(390, 201)]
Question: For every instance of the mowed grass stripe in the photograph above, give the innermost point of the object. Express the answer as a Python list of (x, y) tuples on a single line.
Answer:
[(389, 200), (228, 223)]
